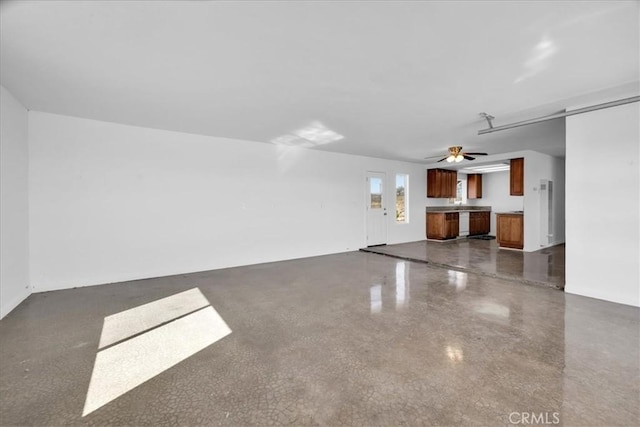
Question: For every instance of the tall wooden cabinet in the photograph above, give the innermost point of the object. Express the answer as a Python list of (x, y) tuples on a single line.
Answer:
[(510, 230), (516, 177), (441, 183), (474, 186)]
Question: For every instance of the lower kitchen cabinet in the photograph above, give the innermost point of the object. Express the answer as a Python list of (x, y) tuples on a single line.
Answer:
[(510, 230), (479, 223), (442, 225)]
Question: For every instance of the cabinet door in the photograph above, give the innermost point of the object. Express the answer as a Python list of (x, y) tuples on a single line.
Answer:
[(474, 186), (510, 231), (517, 235), (453, 225), (503, 233), (433, 186), (436, 228), (486, 223), (452, 185), (446, 191), (456, 225), (516, 177), (473, 223), (479, 223), (446, 182)]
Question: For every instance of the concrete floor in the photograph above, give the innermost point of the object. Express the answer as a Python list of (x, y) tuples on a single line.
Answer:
[(544, 267), (347, 339)]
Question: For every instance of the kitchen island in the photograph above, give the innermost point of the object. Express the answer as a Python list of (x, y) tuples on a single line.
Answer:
[(510, 229)]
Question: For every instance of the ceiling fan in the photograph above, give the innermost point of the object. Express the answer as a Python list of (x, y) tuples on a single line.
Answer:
[(457, 155)]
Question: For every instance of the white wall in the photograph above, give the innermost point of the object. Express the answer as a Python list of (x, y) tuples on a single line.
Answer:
[(14, 227), (495, 193), (111, 202), (559, 178), (538, 166), (603, 192)]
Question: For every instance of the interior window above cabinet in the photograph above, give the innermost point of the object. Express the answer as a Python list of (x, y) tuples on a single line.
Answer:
[(442, 183)]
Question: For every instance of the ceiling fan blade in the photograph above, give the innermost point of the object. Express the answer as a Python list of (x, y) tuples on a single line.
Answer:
[(476, 154), (442, 159), (468, 157)]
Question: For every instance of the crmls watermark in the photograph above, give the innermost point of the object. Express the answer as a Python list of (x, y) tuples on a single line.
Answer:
[(534, 418)]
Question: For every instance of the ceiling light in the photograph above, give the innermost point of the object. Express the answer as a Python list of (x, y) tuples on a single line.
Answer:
[(459, 158), (487, 168), (451, 158)]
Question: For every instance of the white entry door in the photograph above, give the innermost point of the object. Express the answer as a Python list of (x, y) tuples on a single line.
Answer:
[(376, 209)]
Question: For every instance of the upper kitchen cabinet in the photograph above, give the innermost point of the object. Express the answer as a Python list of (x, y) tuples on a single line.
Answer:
[(516, 179), (441, 183), (474, 186)]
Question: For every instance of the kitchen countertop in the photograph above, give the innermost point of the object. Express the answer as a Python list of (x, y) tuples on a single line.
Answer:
[(454, 209), (510, 213)]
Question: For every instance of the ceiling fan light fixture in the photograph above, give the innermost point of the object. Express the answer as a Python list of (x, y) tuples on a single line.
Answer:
[(457, 155)]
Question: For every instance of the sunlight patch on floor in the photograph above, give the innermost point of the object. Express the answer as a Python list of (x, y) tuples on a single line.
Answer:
[(124, 366), (127, 323)]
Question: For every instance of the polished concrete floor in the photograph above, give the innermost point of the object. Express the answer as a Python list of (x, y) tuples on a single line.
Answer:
[(544, 267), (346, 339)]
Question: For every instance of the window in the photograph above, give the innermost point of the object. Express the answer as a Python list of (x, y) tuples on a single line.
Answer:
[(402, 198), (375, 193), (461, 192)]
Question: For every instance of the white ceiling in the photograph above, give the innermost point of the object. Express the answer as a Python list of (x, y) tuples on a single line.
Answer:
[(398, 80)]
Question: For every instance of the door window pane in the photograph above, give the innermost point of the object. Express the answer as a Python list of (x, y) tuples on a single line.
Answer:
[(375, 193)]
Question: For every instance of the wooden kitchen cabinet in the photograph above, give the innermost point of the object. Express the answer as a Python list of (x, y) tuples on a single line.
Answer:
[(452, 222), (443, 225), (474, 186), (516, 177), (441, 183), (479, 223), (510, 230), (433, 183)]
